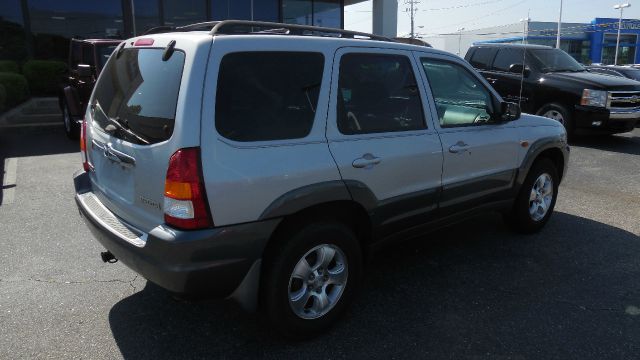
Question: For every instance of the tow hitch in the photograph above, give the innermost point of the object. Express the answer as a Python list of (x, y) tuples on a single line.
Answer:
[(108, 257)]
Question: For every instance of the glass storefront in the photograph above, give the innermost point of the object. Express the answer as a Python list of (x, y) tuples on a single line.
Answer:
[(327, 13), (52, 23), (146, 14), (626, 50), (184, 12), (13, 39)]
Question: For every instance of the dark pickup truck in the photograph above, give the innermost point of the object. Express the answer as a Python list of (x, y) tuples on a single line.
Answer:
[(549, 82), (86, 60)]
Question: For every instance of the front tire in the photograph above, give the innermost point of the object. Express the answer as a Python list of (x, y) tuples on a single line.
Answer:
[(537, 198), (311, 278), (559, 113)]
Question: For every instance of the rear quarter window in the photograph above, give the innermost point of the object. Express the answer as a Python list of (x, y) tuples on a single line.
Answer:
[(264, 96)]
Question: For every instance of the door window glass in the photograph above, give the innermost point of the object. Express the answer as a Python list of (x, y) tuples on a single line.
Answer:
[(460, 97), (377, 93), (482, 58), (268, 95), (507, 57)]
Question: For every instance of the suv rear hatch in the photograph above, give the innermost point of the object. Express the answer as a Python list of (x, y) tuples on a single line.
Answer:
[(135, 124)]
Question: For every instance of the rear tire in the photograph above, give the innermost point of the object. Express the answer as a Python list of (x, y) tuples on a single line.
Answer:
[(537, 198), (299, 300), (71, 128), (559, 113)]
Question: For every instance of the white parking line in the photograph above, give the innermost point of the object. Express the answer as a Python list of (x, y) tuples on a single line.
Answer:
[(9, 181)]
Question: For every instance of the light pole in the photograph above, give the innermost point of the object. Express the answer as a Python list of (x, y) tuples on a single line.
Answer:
[(525, 29), (460, 30), (559, 27), (621, 7)]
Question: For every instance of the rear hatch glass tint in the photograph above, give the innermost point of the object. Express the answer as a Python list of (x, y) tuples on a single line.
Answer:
[(136, 96)]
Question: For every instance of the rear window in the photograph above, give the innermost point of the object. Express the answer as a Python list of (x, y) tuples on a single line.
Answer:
[(137, 93), (265, 96), (482, 58)]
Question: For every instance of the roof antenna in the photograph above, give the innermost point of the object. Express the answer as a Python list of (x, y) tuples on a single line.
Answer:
[(525, 34)]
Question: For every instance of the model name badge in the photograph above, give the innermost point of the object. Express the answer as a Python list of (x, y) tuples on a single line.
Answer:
[(149, 202)]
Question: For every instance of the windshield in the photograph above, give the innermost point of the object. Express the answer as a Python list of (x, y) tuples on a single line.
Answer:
[(136, 95), (555, 60)]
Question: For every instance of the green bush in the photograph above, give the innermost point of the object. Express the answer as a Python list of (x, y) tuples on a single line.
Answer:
[(44, 76), (16, 88), (3, 98), (9, 66)]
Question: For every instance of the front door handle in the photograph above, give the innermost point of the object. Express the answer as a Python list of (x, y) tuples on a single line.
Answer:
[(459, 147), (366, 161), (492, 80)]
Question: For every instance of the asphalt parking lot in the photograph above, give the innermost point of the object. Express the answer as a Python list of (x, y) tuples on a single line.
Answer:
[(473, 291)]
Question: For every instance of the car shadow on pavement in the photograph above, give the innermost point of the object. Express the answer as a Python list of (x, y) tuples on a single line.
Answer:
[(624, 144), (466, 291)]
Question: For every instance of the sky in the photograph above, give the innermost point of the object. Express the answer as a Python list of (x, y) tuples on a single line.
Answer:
[(446, 16)]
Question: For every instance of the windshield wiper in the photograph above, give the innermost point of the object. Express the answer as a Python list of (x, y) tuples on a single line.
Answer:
[(123, 126)]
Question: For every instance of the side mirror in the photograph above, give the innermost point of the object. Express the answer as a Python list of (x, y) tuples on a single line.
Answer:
[(84, 71), (519, 69), (510, 111)]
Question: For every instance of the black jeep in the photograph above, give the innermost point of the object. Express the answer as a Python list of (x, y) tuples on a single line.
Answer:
[(86, 60)]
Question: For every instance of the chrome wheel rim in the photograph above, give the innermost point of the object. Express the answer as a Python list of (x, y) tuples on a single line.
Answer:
[(555, 115), (541, 197), (318, 281), (67, 119)]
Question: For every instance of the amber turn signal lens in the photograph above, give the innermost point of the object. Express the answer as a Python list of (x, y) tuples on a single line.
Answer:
[(177, 190)]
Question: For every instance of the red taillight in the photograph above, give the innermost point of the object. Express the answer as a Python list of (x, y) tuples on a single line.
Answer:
[(143, 42), (83, 146), (185, 200)]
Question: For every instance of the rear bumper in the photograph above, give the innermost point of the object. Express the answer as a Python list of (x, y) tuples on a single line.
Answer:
[(594, 120), (212, 262)]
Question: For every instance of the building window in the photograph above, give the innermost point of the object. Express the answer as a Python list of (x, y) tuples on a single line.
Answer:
[(327, 13), (626, 51), (147, 15), (53, 23), (297, 12), (184, 12), (12, 41)]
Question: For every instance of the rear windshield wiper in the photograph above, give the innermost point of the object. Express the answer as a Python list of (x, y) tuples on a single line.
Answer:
[(123, 126)]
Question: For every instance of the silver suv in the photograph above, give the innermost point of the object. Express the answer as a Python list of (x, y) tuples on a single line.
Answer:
[(261, 162)]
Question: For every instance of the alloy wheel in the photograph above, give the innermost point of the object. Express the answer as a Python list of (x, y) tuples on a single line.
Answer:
[(318, 281), (555, 115), (541, 197)]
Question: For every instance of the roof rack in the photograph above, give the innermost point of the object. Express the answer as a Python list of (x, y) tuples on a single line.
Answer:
[(236, 27)]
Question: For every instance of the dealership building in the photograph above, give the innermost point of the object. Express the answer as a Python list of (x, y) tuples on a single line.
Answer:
[(42, 28), (593, 42)]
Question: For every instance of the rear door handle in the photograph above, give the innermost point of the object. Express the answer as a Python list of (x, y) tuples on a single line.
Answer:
[(458, 147), (366, 161)]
